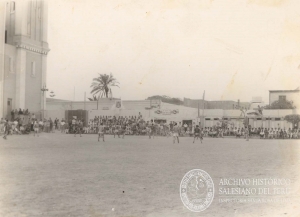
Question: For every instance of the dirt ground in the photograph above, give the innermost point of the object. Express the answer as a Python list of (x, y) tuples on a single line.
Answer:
[(60, 175)]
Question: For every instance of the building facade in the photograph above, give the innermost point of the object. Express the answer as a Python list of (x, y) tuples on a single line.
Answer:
[(219, 104), (23, 56), (169, 112), (289, 95)]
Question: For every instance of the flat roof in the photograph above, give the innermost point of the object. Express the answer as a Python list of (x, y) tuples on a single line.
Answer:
[(284, 90)]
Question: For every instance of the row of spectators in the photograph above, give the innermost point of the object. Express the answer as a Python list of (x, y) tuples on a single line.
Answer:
[(263, 133), (136, 125)]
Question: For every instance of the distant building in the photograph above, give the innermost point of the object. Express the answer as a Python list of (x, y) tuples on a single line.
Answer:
[(219, 104), (256, 102), (166, 112), (289, 95), (23, 55)]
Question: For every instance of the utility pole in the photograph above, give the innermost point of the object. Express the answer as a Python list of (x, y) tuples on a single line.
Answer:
[(44, 89), (84, 100), (203, 109)]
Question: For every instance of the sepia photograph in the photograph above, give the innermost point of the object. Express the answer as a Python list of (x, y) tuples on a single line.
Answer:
[(162, 108)]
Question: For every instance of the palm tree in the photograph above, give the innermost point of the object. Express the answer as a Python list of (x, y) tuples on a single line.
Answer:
[(102, 85), (95, 98)]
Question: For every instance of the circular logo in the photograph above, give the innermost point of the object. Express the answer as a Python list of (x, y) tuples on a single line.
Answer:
[(196, 190)]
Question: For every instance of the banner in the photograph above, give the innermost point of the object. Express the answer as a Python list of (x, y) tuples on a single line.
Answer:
[(118, 105), (167, 111)]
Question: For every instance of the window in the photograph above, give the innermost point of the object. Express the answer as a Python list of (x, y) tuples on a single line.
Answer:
[(259, 119), (5, 36), (33, 69), (277, 119), (282, 98), (216, 119), (39, 13), (28, 28), (12, 7), (207, 119), (11, 65), (8, 103)]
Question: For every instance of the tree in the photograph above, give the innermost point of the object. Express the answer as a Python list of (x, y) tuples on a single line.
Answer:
[(102, 85), (166, 99), (294, 119), (281, 104), (94, 98)]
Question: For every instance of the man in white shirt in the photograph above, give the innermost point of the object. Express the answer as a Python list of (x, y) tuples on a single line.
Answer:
[(62, 126), (185, 127)]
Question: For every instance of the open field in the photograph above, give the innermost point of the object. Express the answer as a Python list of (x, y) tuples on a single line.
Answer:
[(60, 175)]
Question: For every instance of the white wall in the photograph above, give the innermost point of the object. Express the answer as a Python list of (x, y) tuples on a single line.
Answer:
[(133, 108)]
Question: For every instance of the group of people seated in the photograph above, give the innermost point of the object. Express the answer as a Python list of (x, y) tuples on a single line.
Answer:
[(277, 133), (267, 133)]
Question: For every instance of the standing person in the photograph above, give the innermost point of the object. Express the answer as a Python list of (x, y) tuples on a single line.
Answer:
[(55, 124), (185, 127), (113, 130), (58, 124), (197, 134), (152, 131), (51, 126), (171, 126), (101, 132), (80, 127), (6, 129), (221, 133), (123, 130), (148, 131), (36, 128), (62, 125), (247, 133), (175, 133), (117, 130), (75, 127), (2, 123), (41, 125), (66, 127)]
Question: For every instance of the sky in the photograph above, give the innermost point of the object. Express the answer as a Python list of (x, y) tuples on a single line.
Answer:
[(232, 49)]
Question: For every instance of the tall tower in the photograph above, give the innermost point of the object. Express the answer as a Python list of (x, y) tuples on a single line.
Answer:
[(23, 56)]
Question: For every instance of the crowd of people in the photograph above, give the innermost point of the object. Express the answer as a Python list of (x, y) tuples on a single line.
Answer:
[(134, 125), (260, 132)]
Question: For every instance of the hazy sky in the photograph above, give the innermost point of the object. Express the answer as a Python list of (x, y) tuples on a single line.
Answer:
[(232, 49)]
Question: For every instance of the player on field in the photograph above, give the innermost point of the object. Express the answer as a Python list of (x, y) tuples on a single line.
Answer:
[(36, 127), (117, 130), (175, 133), (123, 130), (197, 134), (101, 130), (152, 131), (7, 128), (247, 133)]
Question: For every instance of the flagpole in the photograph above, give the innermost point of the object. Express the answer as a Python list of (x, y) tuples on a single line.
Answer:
[(203, 109), (84, 99), (198, 109)]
